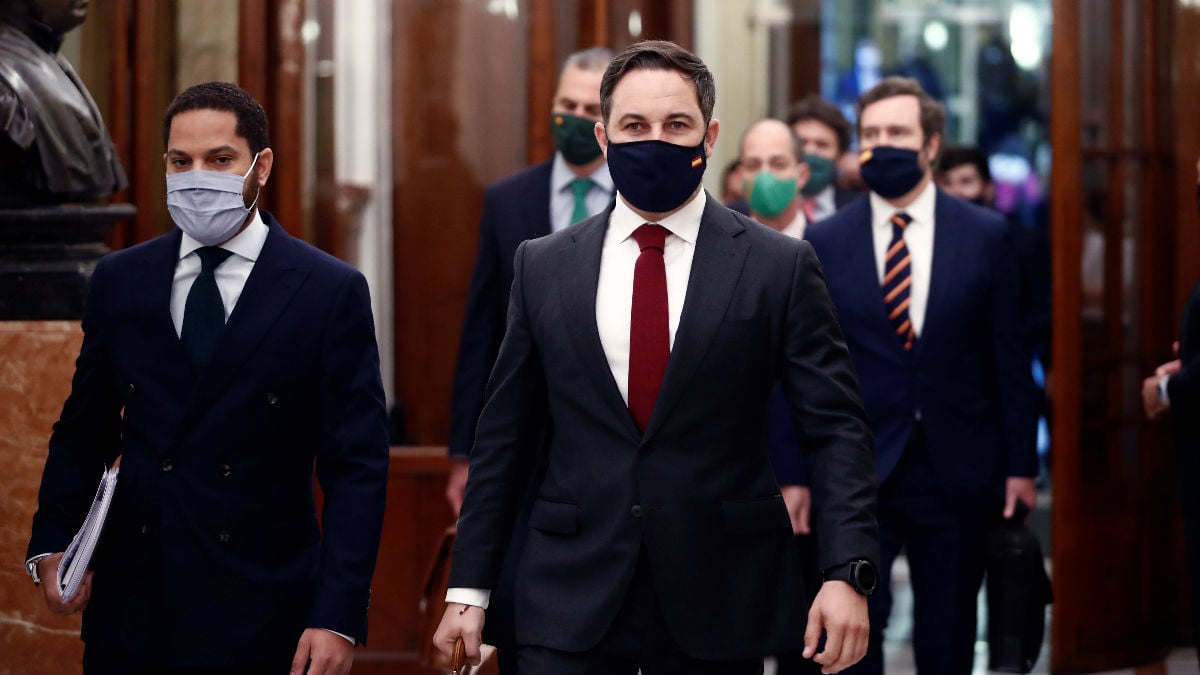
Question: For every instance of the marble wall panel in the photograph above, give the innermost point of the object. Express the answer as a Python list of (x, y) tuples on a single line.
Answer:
[(37, 359)]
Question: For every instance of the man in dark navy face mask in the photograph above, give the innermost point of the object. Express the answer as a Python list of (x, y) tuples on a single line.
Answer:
[(926, 288), (642, 347)]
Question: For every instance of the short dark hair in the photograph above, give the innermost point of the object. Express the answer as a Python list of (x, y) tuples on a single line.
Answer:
[(251, 118), (933, 116), (659, 55), (813, 107), (961, 155)]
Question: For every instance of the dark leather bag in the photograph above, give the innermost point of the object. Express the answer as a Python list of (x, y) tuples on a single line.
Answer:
[(1018, 590)]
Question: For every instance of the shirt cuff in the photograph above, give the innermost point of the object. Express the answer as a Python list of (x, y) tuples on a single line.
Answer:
[(1163, 394), (345, 637), (478, 597)]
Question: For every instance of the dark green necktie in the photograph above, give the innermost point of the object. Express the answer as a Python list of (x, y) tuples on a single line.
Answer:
[(204, 314), (581, 187)]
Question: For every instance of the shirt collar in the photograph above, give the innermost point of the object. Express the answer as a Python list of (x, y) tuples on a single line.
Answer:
[(684, 223), (561, 175), (921, 209), (248, 243)]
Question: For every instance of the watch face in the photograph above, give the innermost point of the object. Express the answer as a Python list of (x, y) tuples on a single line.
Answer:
[(864, 575)]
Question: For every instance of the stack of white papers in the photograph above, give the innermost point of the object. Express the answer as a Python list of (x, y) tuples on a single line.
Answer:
[(75, 561)]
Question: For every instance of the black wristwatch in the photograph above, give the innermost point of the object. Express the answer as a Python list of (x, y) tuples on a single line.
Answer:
[(860, 574)]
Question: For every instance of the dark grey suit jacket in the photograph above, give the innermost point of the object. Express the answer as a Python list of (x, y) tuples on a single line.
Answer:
[(695, 493)]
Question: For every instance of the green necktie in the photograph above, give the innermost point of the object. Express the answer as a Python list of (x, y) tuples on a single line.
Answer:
[(581, 187), (203, 313)]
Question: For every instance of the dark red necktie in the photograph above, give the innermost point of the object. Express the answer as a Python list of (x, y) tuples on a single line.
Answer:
[(649, 331)]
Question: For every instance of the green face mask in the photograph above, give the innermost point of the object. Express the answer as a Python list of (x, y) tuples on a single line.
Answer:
[(768, 194), (575, 138), (820, 174)]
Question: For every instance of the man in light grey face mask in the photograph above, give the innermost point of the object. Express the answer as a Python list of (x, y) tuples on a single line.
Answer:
[(209, 205), (221, 362)]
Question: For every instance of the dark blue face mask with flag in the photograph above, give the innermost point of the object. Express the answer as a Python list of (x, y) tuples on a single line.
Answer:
[(656, 176), (890, 172)]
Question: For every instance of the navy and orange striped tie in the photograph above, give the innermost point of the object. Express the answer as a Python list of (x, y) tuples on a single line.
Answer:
[(897, 281)]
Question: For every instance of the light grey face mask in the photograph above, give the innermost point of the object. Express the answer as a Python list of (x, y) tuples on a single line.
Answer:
[(208, 205)]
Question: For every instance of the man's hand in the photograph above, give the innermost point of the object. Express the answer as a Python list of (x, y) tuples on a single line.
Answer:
[(456, 485), (1151, 403), (48, 573), (842, 613), (799, 503), (1019, 487), (324, 653), (458, 623)]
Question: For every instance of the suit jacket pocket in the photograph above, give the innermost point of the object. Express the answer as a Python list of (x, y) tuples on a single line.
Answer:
[(756, 515), (556, 517)]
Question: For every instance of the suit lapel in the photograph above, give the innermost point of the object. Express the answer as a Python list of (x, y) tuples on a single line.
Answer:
[(151, 294), (537, 204), (268, 291), (946, 242), (578, 300), (716, 268)]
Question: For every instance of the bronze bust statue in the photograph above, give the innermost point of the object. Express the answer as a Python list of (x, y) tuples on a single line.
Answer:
[(54, 148)]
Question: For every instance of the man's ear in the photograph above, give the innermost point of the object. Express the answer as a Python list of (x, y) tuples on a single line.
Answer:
[(710, 136), (933, 148), (802, 174), (601, 138), (262, 170)]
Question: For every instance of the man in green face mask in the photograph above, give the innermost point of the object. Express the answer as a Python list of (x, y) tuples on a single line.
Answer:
[(772, 162), (825, 136)]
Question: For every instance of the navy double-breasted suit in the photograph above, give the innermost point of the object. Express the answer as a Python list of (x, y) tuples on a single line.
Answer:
[(213, 556)]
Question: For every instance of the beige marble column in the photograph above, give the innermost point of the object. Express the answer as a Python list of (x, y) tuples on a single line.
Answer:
[(37, 360)]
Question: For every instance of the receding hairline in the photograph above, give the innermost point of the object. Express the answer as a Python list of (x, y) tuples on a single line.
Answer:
[(769, 122)]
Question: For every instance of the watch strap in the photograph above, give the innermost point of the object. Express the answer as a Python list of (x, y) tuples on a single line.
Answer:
[(31, 568)]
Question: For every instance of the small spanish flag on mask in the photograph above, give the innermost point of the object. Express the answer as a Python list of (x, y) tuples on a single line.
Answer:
[(865, 156), (558, 120), (697, 161)]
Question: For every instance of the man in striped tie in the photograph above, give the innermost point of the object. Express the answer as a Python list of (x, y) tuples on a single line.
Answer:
[(926, 289)]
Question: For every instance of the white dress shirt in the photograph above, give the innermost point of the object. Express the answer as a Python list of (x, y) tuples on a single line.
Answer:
[(562, 197), (918, 237), (614, 301), (824, 203), (795, 228), (231, 275), (614, 290)]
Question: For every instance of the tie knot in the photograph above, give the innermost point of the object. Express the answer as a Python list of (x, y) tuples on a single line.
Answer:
[(901, 219), (211, 257), (581, 186), (651, 236)]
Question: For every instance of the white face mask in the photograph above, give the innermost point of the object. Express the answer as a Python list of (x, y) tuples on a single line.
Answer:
[(208, 205)]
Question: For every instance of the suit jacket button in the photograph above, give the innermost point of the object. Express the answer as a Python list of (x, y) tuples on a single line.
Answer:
[(226, 470), (223, 537), (145, 529), (131, 389), (167, 465), (636, 511), (272, 399)]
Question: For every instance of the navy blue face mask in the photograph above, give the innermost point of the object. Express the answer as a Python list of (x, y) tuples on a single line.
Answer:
[(656, 176), (890, 172)]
